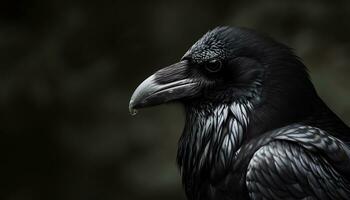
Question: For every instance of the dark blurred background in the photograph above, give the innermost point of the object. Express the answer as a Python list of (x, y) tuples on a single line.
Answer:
[(68, 69)]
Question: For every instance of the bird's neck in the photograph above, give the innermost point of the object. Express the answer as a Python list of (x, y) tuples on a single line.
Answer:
[(211, 137), (323, 117)]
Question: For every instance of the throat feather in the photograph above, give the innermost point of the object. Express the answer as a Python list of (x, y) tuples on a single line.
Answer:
[(212, 135)]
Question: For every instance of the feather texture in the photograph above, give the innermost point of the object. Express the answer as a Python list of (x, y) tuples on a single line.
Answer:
[(210, 140)]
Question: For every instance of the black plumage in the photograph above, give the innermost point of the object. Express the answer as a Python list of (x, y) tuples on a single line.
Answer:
[(255, 126)]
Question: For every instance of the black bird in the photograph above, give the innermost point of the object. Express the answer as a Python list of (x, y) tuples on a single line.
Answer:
[(255, 126)]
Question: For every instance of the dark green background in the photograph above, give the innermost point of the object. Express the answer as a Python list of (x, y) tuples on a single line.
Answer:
[(68, 69)]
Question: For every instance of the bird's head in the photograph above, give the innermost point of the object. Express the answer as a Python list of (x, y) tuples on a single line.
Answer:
[(225, 65)]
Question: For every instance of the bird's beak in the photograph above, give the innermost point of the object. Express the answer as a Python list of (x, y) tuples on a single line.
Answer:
[(168, 84)]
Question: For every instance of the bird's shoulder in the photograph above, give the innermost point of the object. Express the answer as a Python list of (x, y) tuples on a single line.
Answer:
[(286, 170), (297, 160), (311, 138), (318, 141)]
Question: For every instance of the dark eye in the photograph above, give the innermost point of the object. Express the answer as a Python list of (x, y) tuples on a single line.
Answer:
[(213, 66)]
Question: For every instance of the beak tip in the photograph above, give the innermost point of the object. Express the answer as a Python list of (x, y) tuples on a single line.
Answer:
[(139, 95), (132, 110)]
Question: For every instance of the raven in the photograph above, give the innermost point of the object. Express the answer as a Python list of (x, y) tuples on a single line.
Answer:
[(255, 126)]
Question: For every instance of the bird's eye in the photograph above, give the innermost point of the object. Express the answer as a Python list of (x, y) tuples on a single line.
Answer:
[(213, 66)]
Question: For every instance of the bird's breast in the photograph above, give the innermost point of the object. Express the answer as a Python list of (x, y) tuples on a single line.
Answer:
[(209, 144)]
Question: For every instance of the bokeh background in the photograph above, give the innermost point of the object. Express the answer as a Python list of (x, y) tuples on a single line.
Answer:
[(68, 69)]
